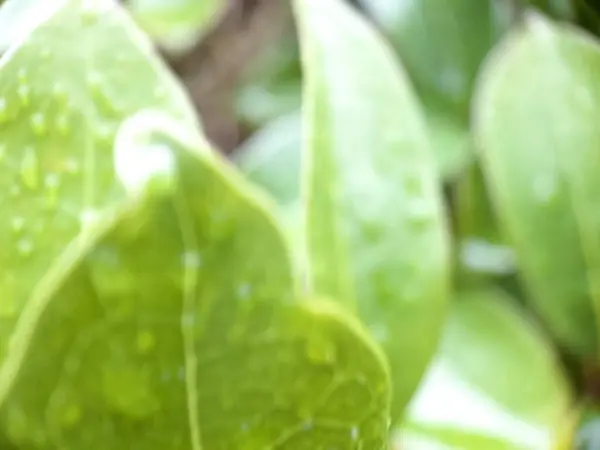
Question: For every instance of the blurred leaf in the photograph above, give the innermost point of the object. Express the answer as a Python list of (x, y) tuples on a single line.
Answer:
[(450, 140), (271, 158), (536, 123), (272, 86), (494, 384), (60, 107), (19, 17), (375, 227), (562, 9), (482, 250), (442, 45), (179, 327), (176, 24), (260, 103)]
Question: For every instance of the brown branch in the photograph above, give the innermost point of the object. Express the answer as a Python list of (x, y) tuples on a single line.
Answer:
[(213, 69)]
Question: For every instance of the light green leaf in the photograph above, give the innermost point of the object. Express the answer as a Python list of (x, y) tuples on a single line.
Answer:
[(180, 328), (495, 383), (375, 227), (536, 124), (60, 106), (175, 23)]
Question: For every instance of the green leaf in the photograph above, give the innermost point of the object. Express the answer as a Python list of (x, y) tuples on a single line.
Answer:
[(175, 23), (536, 124), (179, 327), (375, 227), (495, 382), (60, 106), (443, 44)]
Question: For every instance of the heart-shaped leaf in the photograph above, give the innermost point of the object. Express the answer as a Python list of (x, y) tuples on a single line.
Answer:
[(179, 328), (60, 106), (375, 227), (536, 124), (494, 384)]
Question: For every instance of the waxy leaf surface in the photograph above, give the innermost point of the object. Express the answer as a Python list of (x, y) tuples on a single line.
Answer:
[(494, 384), (374, 224), (536, 126), (64, 90), (180, 328)]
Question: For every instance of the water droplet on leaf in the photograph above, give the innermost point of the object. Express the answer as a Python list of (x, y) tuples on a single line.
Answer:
[(145, 342), (128, 391), (30, 169)]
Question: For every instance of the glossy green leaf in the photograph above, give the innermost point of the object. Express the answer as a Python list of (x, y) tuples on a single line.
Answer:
[(536, 124), (176, 23), (179, 328), (495, 383), (375, 227), (60, 106)]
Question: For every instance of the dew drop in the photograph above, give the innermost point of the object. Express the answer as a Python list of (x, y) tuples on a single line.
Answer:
[(145, 342), (188, 320), (17, 224), (94, 80), (308, 425), (89, 217), (62, 124), (354, 433), (59, 93), (51, 184), (30, 169), (71, 166), (320, 351), (25, 247), (544, 187), (24, 92), (15, 191), (243, 291), (70, 415), (419, 212), (191, 260), (22, 75), (38, 124), (3, 110)]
